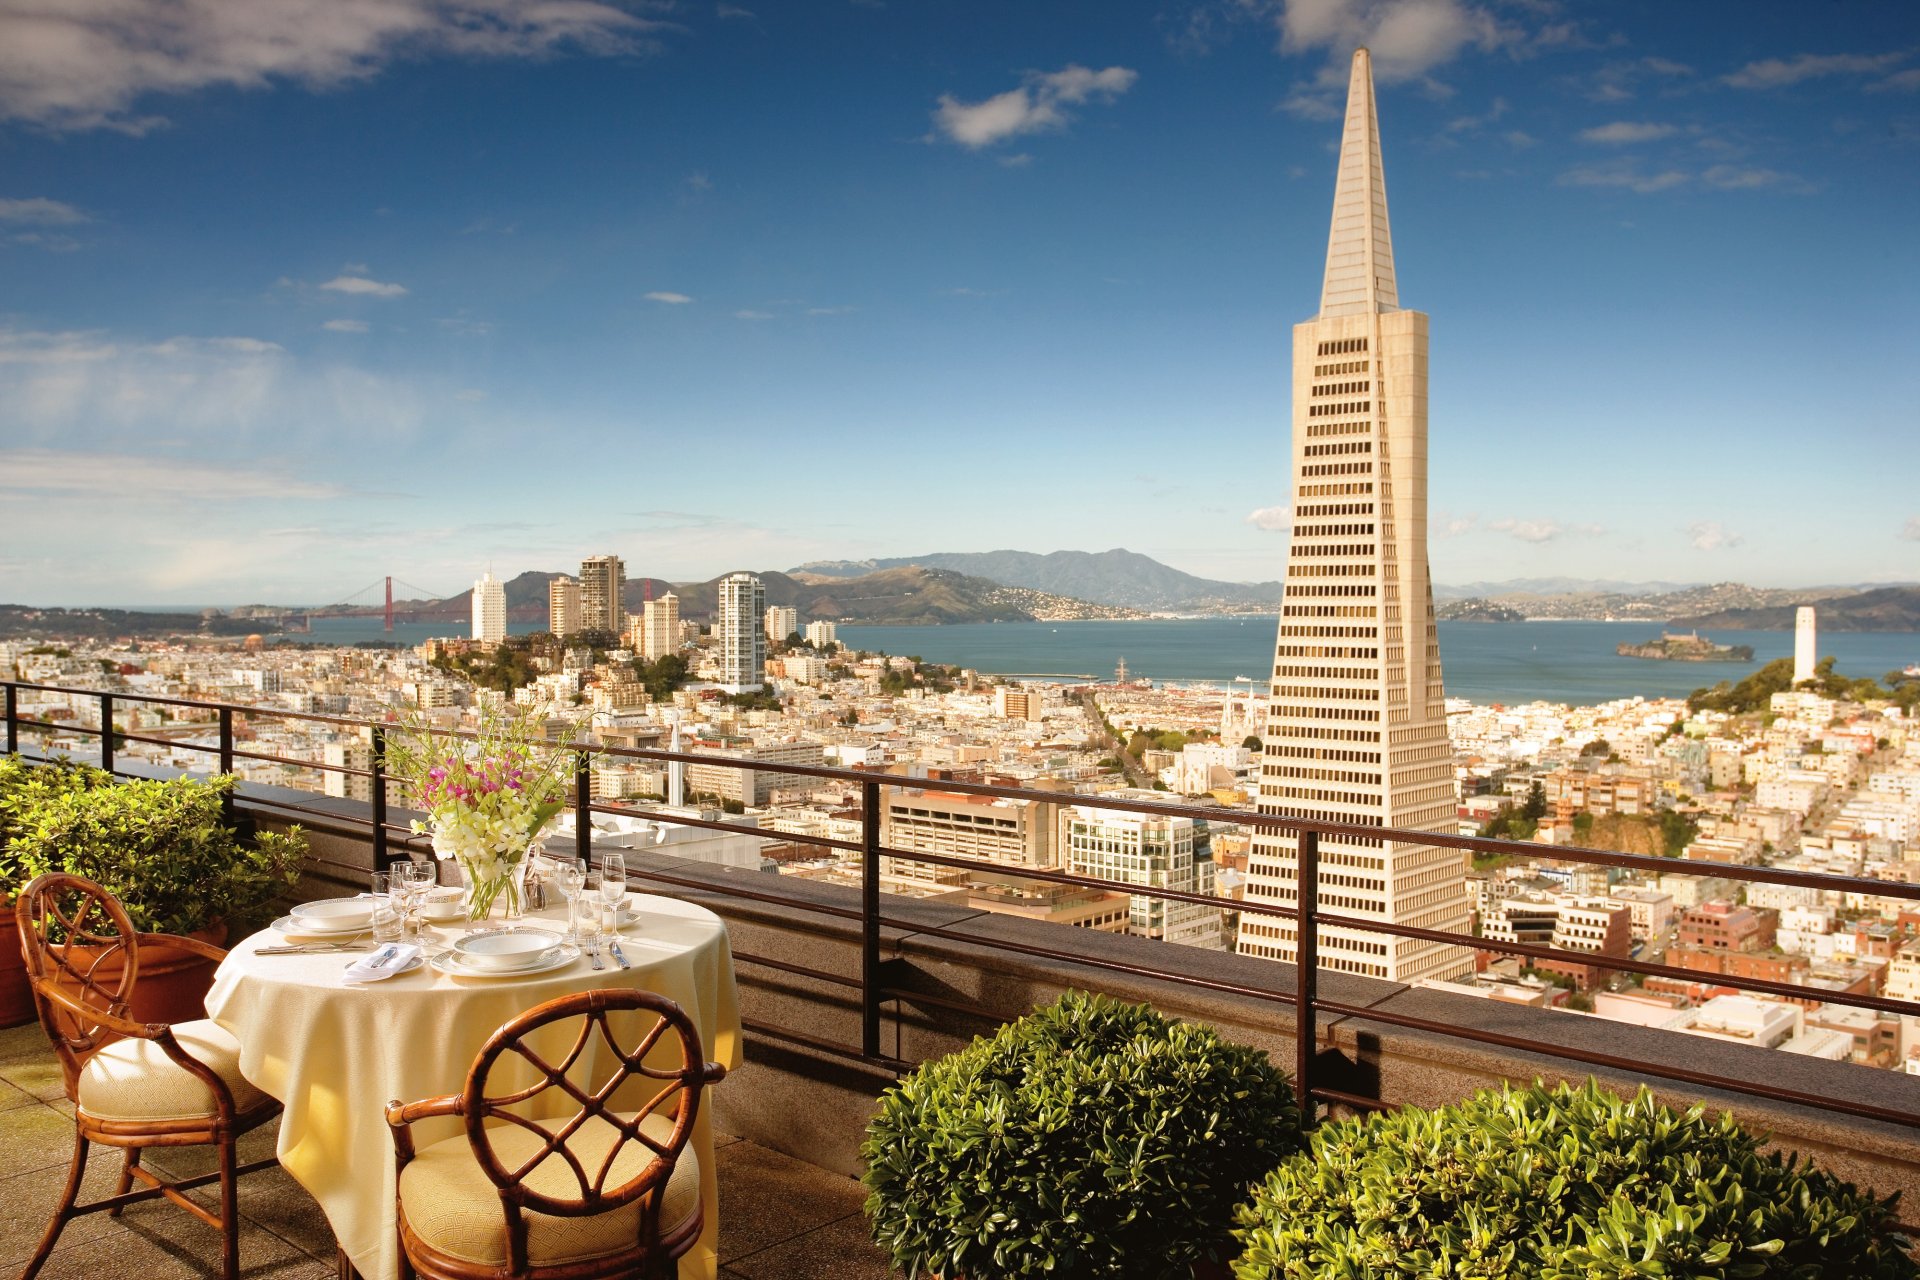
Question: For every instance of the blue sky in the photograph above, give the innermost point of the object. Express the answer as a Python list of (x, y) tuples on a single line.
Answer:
[(296, 295)]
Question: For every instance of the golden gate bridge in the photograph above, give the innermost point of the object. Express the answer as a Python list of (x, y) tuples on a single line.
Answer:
[(385, 584)]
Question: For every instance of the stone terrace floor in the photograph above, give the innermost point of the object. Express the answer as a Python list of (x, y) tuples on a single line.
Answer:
[(780, 1219)]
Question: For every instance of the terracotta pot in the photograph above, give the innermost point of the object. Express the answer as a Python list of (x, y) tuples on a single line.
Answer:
[(16, 997), (173, 983)]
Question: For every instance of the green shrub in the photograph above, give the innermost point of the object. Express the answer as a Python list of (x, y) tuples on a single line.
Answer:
[(1567, 1184), (24, 785), (1089, 1139), (163, 848)]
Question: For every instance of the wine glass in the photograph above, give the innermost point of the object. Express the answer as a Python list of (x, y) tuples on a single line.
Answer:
[(568, 877), (613, 887), (415, 879)]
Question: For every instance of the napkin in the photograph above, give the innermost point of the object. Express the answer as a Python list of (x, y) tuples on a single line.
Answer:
[(393, 958)]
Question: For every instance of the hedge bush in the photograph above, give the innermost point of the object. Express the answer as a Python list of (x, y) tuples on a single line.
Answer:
[(1562, 1184), (1089, 1139), (25, 785), (163, 848)]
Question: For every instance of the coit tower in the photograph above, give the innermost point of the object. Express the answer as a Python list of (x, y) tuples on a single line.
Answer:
[(1356, 728)]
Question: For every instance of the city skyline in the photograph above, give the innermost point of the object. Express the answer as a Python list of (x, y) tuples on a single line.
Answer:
[(365, 296)]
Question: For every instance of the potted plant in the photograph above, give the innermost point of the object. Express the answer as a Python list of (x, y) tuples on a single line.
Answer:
[(1559, 1184), (1089, 1139), (23, 785), (165, 850)]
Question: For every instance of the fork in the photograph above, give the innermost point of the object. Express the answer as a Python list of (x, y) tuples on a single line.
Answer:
[(593, 953)]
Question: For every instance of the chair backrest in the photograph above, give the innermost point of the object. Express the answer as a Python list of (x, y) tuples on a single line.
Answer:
[(678, 1097), (76, 938)]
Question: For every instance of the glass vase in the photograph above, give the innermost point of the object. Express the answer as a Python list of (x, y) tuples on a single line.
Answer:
[(501, 895)]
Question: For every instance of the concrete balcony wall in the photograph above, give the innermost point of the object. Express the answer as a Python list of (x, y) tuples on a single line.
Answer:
[(814, 1105)]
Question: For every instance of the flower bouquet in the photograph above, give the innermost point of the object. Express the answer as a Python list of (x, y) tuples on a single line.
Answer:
[(489, 795)]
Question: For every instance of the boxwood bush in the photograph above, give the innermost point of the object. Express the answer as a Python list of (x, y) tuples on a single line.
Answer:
[(1089, 1139), (1562, 1184), (163, 848)]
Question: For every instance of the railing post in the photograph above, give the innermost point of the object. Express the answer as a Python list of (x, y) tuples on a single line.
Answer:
[(870, 918), (226, 756), (1306, 972), (379, 797), (583, 812), (13, 718), (106, 732)]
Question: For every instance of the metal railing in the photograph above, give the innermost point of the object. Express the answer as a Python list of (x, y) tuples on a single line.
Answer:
[(874, 991)]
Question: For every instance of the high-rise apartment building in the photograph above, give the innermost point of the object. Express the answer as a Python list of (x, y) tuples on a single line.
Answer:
[(602, 583), (660, 627), (1155, 852), (737, 629), (563, 605), (489, 610), (782, 621), (822, 634), (1804, 647), (1356, 727)]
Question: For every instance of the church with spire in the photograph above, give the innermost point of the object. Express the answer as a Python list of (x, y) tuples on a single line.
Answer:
[(1356, 728)]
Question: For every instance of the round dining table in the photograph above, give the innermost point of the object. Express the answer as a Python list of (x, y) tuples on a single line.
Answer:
[(335, 1054)]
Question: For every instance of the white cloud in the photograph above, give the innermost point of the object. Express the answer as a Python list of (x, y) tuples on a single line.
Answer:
[(752, 315), (1272, 519), (72, 66), (114, 475), (1729, 177), (1623, 131), (39, 211), (1529, 530), (1911, 531), (1627, 175), (83, 387), (345, 326), (829, 311), (1711, 535), (1309, 103), (671, 299), (1899, 82), (1446, 526), (1407, 38), (1036, 105), (1774, 73), (360, 284)]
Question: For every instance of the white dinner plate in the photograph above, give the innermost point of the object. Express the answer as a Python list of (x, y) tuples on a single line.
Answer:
[(289, 927), (552, 958)]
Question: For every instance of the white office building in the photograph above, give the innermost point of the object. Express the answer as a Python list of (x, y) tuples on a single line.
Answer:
[(1356, 726), (1153, 852)]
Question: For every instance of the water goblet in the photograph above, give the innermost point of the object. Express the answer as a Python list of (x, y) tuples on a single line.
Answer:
[(569, 876), (417, 879), (389, 922), (613, 882)]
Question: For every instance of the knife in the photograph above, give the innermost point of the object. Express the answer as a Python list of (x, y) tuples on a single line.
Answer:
[(619, 955)]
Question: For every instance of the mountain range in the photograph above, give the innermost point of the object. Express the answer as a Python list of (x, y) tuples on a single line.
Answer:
[(1116, 577)]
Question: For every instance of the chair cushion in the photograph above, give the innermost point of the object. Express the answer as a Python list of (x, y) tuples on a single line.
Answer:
[(136, 1080), (452, 1205)]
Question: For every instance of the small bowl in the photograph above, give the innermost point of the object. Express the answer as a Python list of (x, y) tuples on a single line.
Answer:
[(335, 913), (443, 904), (504, 951)]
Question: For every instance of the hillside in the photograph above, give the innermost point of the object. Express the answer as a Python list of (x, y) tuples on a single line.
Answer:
[(1116, 577), (1882, 609)]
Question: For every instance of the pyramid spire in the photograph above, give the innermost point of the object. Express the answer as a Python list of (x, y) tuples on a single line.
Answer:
[(1360, 247)]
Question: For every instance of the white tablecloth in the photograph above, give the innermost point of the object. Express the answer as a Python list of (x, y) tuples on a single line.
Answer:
[(336, 1055)]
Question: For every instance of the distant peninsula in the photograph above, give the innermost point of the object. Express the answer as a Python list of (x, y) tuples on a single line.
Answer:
[(1881, 609)]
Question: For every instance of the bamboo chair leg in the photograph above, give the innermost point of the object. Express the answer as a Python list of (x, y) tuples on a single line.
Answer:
[(229, 1211), (131, 1162), (64, 1212)]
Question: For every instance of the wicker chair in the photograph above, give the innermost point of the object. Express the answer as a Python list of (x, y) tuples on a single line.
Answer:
[(133, 1085), (587, 1193)]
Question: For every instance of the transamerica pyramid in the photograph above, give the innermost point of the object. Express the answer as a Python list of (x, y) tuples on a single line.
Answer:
[(1356, 723)]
